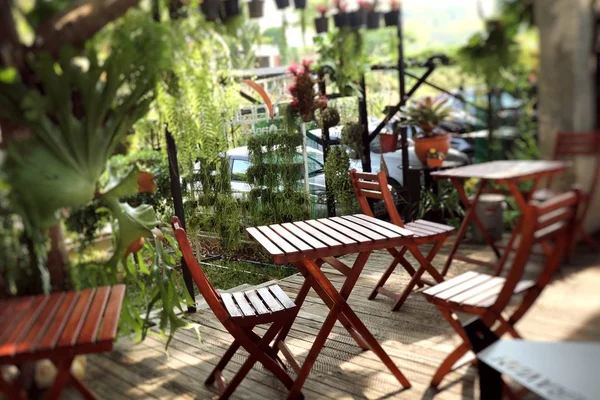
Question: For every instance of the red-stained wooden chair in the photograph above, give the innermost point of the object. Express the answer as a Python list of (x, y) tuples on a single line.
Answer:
[(577, 144), (486, 296), (375, 186), (240, 313), (58, 327)]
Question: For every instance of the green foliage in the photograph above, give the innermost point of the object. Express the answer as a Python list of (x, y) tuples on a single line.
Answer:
[(276, 174), (489, 54), (427, 114), (352, 139), (341, 55), (445, 207), (338, 180)]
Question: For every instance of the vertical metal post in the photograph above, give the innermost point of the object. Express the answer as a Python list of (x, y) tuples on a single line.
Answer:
[(364, 119), (325, 139), (174, 177), (402, 92)]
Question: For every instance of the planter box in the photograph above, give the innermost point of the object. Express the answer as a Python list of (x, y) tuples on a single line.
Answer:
[(391, 18), (210, 9), (281, 4), (300, 4), (358, 18), (341, 20), (256, 9), (232, 8), (373, 18)]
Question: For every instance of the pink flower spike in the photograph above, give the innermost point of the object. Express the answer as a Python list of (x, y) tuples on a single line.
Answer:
[(322, 9), (363, 4), (306, 64), (294, 69)]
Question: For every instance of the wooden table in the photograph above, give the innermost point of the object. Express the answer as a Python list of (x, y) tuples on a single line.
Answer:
[(509, 173), (59, 327), (309, 245)]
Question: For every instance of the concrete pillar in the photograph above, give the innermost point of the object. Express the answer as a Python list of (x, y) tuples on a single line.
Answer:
[(567, 81)]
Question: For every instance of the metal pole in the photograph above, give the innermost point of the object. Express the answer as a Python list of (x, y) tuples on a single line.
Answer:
[(305, 161), (402, 91), (364, 119), (325, 139), (177, 196)]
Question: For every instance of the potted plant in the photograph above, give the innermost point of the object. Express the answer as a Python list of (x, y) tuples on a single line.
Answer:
[(300, 4), (391, 17), (434, 158), (322, 23), (281, 4), (373, 17), (388, 142), (359, 17), (210, 9), (341, 18), (426, 115), (232, 8), (256, 8)]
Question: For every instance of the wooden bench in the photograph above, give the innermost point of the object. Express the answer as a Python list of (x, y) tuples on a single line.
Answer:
[(58, 327)]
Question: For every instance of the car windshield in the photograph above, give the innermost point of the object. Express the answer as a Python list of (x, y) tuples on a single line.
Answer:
[(239, 167)]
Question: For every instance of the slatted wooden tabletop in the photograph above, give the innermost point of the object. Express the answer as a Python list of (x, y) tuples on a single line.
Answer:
[(504, 170), (328, 237), (35, 327)]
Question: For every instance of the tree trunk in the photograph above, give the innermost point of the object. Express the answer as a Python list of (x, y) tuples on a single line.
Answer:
[(58, 260)]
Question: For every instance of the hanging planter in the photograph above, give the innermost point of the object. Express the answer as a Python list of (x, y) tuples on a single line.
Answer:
[(358, 18), (341, 19), (373, 18), (388, 142), (232, 8), (300, 4), (210, 9), (256, 8), (393, 16), (322, 23), (281, 4)]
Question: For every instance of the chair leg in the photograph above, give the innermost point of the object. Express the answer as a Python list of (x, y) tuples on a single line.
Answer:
[(237, 379), (408, 289), (446, 366), (82, 388), (223, 362), (386, 275)]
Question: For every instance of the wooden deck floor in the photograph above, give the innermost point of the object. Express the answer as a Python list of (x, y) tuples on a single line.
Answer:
[(417, 339)]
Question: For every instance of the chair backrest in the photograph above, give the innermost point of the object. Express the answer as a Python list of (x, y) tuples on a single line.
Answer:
[(212, 297), (552, 221), (573, 144), (368, 185)]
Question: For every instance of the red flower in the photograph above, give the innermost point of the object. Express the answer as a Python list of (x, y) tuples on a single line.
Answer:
[(322, 9), (306, 64), (292, 88), (395, 5), (294, 69), (363, 4)]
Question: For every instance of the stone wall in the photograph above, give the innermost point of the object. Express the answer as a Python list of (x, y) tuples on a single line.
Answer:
[(567, 81)]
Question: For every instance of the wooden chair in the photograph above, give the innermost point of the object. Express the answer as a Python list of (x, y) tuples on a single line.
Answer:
[(240, 313), (375, 186), (486, 296), (569, 145)]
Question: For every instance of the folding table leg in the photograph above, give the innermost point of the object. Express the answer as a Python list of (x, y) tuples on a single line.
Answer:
[(11, 390), (82, 388), (63, 377)]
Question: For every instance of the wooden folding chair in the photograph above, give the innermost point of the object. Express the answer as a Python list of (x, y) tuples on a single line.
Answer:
[(375, 186), (569, 145), (486, 296), (240, 313)]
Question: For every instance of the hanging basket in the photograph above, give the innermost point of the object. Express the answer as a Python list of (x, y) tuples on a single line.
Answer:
[(373, 18), (341, 19), (281, 4), (322, 24), (391, 18), (388, 142), (210, 9), (256, 9), (358, 18), (300, 4), (232, 8)]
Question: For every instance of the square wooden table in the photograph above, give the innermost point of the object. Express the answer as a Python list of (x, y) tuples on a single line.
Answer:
[(507, 172), (59, 327), (310, 244)]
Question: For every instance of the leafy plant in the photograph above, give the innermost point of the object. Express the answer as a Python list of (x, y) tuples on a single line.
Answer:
[(338, 180), (426, 114), (352, 139), (305, 100), (341, 56)]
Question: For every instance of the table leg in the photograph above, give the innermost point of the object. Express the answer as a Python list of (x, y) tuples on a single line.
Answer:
[(11, 390), (63, 377), (336, 301)]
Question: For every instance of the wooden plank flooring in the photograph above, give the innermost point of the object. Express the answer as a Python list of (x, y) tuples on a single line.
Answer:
[(416, 337)]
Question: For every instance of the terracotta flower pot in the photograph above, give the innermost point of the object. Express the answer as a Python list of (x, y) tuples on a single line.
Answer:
[(389, 143), (440, 142), (434, 162)]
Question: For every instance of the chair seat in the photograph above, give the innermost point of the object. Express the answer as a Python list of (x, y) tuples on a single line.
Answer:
[(542, 195), (258, 305), (427, 230), (471, 289)]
